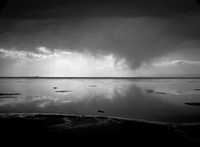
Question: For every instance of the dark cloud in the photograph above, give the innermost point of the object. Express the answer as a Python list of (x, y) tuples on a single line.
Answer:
[(137, 30), (45, 9)]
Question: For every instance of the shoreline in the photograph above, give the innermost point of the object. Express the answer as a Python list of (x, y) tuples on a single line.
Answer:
[(114, 130)]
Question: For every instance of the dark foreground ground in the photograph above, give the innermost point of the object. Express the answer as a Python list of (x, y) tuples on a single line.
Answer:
[(49, 129)]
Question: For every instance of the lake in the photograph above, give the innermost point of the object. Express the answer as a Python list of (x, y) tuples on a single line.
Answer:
[(164, 100)]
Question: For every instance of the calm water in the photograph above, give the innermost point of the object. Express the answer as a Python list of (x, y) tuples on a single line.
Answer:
[(148, 99)]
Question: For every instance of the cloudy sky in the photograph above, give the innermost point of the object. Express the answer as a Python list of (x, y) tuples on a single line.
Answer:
[(100, 38)]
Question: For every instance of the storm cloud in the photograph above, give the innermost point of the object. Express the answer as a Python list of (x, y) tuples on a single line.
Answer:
[(138, 31)]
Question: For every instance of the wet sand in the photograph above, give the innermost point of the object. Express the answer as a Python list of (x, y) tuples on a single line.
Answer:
[(86, 130)]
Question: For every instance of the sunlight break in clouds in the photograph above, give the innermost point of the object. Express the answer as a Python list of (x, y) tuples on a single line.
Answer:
[(175, 67), (177, 62), (58, 62), (15, 54), (43, 50)]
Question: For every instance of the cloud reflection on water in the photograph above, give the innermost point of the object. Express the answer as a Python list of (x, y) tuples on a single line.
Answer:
[(70, 92)]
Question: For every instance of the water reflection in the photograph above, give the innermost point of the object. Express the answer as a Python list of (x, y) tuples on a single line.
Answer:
[(160, 100), (67, 91)]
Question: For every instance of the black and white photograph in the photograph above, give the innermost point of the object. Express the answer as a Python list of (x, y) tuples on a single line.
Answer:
[(100, 72)]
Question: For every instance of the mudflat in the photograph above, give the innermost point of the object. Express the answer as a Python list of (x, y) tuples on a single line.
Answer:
[(85, 129)]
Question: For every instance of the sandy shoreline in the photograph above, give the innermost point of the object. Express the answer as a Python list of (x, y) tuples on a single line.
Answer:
[(70, 128)]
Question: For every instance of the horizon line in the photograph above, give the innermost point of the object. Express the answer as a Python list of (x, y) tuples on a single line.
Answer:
[(150, 77)]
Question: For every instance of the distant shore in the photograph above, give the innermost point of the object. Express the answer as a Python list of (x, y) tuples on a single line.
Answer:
[(38, 77), (72, 128)]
